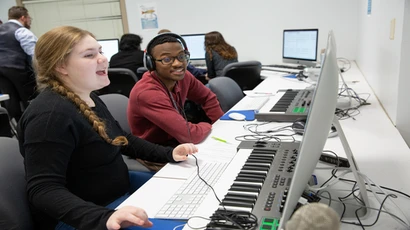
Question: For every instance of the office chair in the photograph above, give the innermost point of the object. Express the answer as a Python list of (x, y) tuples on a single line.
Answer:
[(14, 206), (140, 72), (6, 129), (227, 91), (117, 104), (247, 74), (121, 81)]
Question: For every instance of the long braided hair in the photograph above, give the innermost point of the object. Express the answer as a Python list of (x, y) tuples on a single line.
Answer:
[(51, 51)]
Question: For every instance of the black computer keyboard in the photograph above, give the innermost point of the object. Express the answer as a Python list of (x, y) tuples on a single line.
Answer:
[(199, 65), (301, 67)]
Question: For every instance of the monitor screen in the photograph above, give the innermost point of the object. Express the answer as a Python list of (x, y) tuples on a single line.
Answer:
[(109, 47), (195, 44), (318, 123), (300, 46)]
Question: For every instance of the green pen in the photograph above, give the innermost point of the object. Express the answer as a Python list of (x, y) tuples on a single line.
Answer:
[(219, 139)]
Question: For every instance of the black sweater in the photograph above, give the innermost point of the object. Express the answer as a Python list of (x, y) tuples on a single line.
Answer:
[(217, 64), (130, 59), (71, 172)]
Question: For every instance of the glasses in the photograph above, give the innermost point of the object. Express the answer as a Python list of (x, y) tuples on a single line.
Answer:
[(169, 60)]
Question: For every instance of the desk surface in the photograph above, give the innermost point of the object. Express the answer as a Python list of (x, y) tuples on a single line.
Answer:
[(378, 147)]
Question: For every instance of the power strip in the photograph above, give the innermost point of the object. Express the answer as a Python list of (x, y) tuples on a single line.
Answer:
[(332, 159)]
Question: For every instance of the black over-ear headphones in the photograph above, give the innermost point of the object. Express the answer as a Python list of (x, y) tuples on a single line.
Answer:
[(149, 61)]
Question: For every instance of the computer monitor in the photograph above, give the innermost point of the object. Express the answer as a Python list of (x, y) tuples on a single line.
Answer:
[(109, 47), (300, 46), (318, 124), (196, 47)]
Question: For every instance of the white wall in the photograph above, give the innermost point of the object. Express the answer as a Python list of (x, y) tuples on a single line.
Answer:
[(100, 17), (254, 27), (403, 108), (4, 9), (379, 57)]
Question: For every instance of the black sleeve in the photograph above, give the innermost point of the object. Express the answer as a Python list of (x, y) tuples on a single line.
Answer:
[(140, 148), (210, 66), (49, 143)]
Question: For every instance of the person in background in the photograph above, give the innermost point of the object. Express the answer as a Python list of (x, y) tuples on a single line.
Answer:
[(72, 145), (218, 54), (197, 72), (1, 22), (130, 55), (17, 44), (156, 102)]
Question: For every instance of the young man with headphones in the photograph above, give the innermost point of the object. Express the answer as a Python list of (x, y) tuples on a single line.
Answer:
[(155, 109)]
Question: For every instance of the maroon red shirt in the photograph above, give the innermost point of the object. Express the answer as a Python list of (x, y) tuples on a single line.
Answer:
[(153, 116)]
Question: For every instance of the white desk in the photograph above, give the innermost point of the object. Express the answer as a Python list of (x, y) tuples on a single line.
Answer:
[(379, 150)]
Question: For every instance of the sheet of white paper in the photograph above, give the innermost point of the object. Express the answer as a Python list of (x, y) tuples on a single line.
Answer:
[(218, 152)]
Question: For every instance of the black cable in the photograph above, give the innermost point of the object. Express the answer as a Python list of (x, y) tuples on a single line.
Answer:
[(265, 135), (358, 219), (363, 204), (197, 173), (353, 111), (341, 200), (236, 218), (377, 217), (380, 209), (383, 187), (331, 177), (330, 197)]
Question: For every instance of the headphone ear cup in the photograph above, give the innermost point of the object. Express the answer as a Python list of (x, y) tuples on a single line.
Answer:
[(188, 56), (148, 62)]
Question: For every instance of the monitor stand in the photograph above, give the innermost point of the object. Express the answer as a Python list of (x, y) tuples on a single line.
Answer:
[(362, 192)]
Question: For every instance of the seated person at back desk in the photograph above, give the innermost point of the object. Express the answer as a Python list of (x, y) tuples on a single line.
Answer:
[(199, 73), (218, 54), (155, 109), (130, 55)]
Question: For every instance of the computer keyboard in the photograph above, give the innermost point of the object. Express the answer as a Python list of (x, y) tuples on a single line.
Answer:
[(253, 103), (301, 67), (190, 195), (200, 66)]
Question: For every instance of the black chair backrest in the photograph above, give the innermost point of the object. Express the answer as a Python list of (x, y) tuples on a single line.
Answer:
[(121, 81), (227, 91), (141, 71), (14, 105), (5, 127), (14, 207), (247, 74)]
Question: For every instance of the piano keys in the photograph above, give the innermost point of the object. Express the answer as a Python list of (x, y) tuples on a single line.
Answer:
[(260, 187), (292, 105)]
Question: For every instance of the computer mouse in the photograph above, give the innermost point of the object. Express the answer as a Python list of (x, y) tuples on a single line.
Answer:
[(300, 76), (237, 116), (299, 126), (333, 132)]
